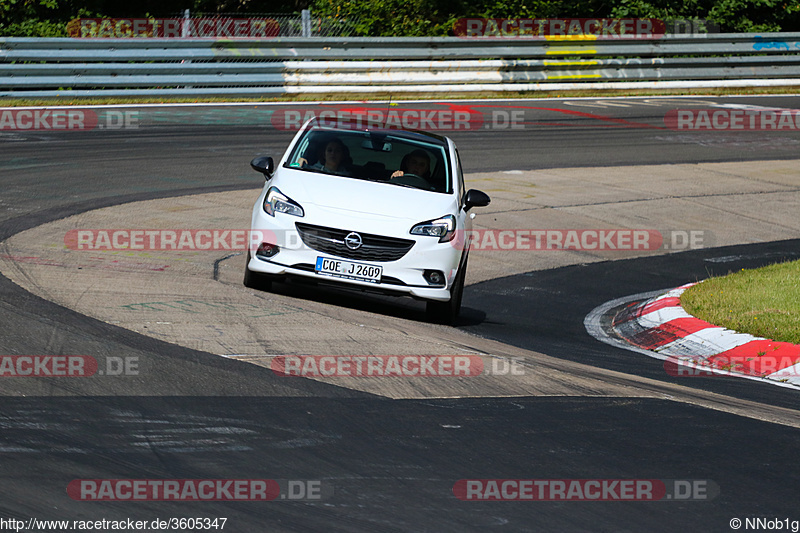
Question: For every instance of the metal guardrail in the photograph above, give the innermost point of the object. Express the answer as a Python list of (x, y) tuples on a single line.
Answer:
[(134, 67)]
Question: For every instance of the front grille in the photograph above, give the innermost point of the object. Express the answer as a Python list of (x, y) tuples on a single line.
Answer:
[(373, 248)]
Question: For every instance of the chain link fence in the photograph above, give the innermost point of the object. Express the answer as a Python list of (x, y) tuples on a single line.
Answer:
[(289, 25)]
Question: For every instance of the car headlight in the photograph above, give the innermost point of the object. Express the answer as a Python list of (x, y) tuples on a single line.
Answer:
[(277, 202), (444, 228)]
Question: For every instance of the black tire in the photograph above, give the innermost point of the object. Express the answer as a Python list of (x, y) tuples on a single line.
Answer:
[(254, 280), (447, 312)]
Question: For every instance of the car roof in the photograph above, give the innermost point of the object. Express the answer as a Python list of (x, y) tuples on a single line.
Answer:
[(348, 125)]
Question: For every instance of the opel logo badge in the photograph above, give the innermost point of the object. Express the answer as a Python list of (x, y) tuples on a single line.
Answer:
[(353, 241)]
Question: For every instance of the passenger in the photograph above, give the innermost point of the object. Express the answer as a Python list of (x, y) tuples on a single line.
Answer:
[(335, 159)]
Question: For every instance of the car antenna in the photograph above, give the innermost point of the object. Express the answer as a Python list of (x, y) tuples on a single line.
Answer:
[(386, 118), (372, 136)]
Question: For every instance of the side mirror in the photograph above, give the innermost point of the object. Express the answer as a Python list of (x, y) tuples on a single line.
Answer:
[(265, 165), (475, 198)]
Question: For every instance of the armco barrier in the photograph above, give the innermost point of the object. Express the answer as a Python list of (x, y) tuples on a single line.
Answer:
[(133, 67)]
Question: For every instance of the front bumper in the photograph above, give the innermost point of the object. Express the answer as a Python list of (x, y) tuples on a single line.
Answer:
[(404, 276)]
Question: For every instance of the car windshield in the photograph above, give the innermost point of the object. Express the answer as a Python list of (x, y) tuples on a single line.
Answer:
[(394, 157)]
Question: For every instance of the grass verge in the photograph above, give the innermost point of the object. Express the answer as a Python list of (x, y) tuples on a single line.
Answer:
[(764, 302)]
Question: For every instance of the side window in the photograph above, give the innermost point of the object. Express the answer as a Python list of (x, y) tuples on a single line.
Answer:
[(460, 178), (299, 150)]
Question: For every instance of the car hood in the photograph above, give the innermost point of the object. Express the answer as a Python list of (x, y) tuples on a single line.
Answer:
[(361, 197)]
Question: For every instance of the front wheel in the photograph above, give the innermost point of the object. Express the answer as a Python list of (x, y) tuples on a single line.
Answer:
[(447, 312), (254, 280)]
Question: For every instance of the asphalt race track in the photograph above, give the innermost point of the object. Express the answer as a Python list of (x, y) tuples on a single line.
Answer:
[(392, 464)]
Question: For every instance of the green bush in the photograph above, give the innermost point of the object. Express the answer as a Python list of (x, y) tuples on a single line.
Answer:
[(39, 18), (34, 28), (732, 16), (421, 18), (436, 17)]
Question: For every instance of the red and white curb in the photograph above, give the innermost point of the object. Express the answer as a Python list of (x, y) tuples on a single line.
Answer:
[(656, 325)]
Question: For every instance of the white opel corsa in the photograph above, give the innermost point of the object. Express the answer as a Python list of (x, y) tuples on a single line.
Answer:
[(367, 208)]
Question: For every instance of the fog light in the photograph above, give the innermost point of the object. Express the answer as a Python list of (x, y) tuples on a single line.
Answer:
[(266, 250), (434, 277)]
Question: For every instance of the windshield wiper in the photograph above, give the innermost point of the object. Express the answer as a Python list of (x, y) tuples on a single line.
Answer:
[(389, 182), (309, 169), (403, 185)]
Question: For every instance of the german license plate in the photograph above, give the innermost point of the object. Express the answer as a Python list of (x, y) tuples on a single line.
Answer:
[(348, 269)]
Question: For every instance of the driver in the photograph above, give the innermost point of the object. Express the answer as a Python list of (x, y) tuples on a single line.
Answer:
[(417, 162)]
